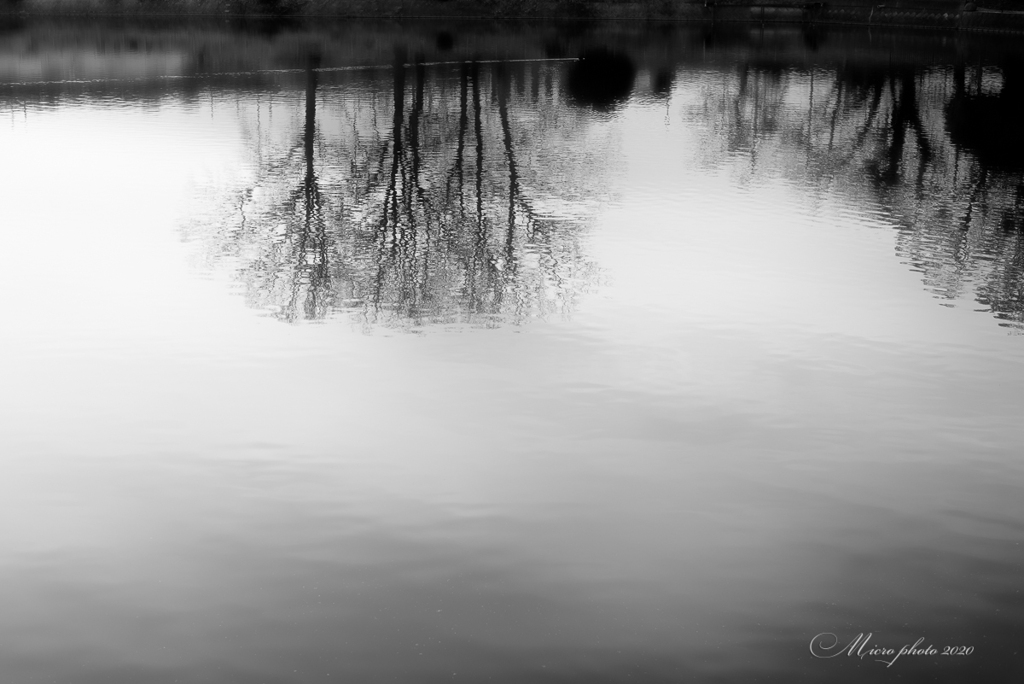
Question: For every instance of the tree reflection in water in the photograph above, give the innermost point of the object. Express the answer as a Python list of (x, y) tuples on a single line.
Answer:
[(942, 162), (459, 192), (428, 218)]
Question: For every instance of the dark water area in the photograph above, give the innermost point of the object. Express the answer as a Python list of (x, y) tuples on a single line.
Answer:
[(424, 352)]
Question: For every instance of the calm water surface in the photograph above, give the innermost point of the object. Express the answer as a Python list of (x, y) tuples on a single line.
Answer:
[(332, 354)]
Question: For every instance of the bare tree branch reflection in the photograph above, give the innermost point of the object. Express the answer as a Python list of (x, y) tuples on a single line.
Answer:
[(383, 222), (930, 151), (445, 194)]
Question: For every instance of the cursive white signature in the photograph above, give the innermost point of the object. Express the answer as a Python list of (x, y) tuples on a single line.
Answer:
[(824, 645)]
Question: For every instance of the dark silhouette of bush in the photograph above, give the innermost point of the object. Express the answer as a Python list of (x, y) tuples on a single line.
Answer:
[(445, 41), (553, 49), (990, 125), (601, 79)]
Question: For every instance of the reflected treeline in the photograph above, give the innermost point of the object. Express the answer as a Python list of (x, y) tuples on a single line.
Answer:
[(414, 195), (938, 147), (441, 192)]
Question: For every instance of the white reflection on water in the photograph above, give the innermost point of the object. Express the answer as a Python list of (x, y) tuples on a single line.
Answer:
[(754, 427)]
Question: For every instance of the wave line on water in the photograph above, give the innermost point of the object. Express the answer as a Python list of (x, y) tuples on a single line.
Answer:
[(257, 72)]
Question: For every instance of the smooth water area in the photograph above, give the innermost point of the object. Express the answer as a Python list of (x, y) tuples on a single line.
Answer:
[(407, 353)]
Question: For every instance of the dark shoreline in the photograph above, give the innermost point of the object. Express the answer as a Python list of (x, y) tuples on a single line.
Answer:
[(941, 14)]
